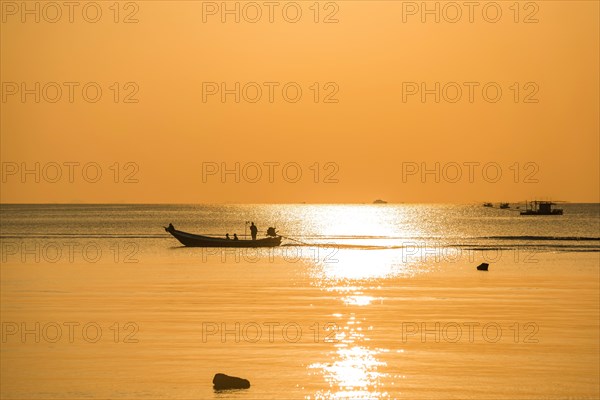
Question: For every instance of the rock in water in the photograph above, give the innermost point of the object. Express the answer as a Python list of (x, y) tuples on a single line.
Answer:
[(483, 267), (222, 382)]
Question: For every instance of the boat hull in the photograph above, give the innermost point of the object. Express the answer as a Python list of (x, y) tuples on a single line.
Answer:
[(191, 240), (530, 212)]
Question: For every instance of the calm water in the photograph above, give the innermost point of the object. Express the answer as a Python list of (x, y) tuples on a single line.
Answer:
[(362, 302)]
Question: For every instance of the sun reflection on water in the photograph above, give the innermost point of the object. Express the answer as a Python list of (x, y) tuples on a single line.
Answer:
[(361, 221), (358, 300), (354, 368), (353, 372), (360, 265)]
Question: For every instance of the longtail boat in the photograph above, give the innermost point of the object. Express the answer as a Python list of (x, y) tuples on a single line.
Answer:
[(192, 240)]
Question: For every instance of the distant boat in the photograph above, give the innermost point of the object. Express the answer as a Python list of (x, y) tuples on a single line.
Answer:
[(504, 205), (379, 201), (488, 205), (541, 208), (191, 240)]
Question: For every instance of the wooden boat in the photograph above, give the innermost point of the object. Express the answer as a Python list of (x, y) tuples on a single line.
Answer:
[(191, 240), (541, 208)]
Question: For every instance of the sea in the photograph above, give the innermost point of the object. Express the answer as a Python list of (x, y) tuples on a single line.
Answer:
[(360, 301)]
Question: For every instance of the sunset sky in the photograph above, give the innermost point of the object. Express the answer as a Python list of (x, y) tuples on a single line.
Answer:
[(364, 130)]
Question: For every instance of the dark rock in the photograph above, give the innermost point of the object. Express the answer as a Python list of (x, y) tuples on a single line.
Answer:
[(223, 382), (483, 267)]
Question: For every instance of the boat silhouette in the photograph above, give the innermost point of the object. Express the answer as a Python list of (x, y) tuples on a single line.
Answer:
[(541, 208), (192, 240)]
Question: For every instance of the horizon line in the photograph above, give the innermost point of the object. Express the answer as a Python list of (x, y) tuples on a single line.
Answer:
[(295, 203)]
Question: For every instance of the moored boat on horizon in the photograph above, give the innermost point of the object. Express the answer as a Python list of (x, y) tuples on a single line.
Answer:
[(541, 208)]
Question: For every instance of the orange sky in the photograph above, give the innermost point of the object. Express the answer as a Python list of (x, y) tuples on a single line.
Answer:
[(365, 146)]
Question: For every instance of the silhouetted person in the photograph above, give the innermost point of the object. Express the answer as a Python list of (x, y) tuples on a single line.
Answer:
[(253, 230), (227, 236), (235, 236)]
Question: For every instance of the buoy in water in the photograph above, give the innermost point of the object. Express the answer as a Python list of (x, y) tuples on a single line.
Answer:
[(483, 267)]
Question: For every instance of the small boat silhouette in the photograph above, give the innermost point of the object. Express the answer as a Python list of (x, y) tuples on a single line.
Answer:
[(191, 240), (541, 208)]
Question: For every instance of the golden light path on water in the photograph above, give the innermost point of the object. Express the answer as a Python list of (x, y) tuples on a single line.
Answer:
[(362, 221), (352, 373), (352, 369)]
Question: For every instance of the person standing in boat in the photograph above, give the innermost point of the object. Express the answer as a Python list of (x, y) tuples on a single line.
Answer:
[(235, 236), (253, 230)]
